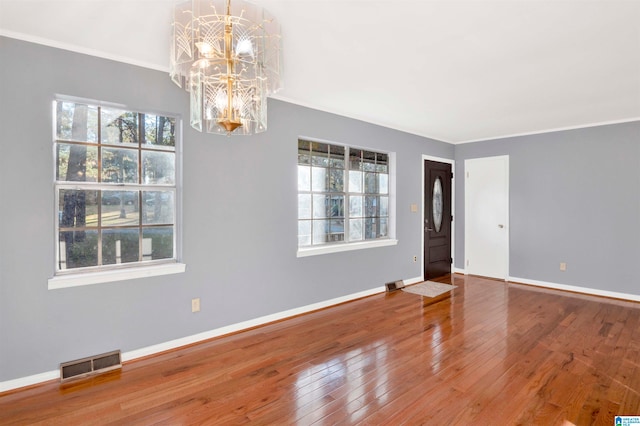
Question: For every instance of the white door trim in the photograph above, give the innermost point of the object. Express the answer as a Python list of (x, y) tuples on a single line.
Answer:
[(453, 204)]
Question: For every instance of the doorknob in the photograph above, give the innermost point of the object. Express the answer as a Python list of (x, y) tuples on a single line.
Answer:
[(500, 226), (427, 229)]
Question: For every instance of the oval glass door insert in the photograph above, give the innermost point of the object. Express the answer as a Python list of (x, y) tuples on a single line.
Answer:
[(436, 203)]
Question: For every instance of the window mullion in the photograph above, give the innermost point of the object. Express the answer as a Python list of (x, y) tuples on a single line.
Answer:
[(99, 179), (346, 194), (141, 136)]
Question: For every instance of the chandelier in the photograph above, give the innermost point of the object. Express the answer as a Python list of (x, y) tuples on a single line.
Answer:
[(228, 57)]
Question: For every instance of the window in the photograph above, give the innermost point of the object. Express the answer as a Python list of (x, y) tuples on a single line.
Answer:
[(115, 188), (343, 194)]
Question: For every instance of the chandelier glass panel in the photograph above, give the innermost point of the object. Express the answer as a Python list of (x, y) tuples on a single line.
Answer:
[(228, 56)]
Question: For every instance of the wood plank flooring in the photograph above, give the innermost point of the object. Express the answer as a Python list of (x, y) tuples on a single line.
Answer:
[(491, 354)]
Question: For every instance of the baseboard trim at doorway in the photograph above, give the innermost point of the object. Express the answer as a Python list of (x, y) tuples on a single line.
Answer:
[(576, 289)]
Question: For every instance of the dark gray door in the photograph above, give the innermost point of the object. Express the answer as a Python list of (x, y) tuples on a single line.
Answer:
[(437, 219)]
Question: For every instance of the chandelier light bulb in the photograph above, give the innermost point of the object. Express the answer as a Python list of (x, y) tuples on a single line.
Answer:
[(244, 48), (205, 49), (221, 99)]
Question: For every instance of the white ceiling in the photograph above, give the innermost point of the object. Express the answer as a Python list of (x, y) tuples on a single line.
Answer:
[(456, 71)]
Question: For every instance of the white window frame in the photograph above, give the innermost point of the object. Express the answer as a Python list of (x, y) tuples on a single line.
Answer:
[(133, 270), (344, 246)]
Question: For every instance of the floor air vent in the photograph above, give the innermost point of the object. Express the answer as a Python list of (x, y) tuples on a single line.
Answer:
[(91, 365), (394, 285)]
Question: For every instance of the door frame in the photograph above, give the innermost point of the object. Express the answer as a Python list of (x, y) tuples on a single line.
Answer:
[(507, 220), (453, 203)]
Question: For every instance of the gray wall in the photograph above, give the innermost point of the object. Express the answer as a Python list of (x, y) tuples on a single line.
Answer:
[(574, 198), (239, 204)]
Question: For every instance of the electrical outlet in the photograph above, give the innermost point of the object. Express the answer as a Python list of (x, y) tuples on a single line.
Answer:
[(415, 259), (195, 305), (563, 266)]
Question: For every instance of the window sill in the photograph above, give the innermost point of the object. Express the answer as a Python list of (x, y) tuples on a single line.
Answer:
[(337, 248), (76, 280)]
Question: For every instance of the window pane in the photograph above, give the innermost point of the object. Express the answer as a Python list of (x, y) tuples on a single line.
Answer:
[(368, 161), (371, 183), (384, 207), (336, 180), (304, 153), (370, 228), (304, 178), (120, 246), (320, 228), (355, 159), (304, 146), (336, 231), (383, 230), (356, 206), (371, 206), (119, 165), (157, 243), (159, 130), (157, 207), (382, 163), (304, 206), (78, 249), (158, 167), (320, 154), (318, 179), (383, 184), (336, 205), (119, 126), (320, 206), (77, 208), (304, 232), (304, 159), (355, 182), (78, 122), (337, 164), (336, 156), (355, 229), (436, 202), (76, 163), (120, 208)]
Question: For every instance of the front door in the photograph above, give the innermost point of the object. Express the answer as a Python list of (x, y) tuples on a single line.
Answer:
[(437, 219)]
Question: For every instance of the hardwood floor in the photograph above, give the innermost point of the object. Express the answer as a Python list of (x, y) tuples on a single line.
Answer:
[(493, 353)]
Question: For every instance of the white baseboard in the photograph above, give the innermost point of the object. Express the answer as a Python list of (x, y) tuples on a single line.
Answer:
[(575, 289), (459, 271), (29, 380), (173, 344), (414, 280), (233, 328)]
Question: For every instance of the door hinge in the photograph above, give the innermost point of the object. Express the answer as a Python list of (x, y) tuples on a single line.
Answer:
[(451, 260)]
